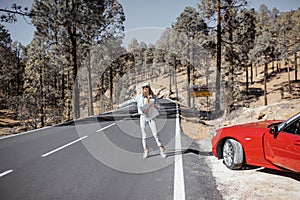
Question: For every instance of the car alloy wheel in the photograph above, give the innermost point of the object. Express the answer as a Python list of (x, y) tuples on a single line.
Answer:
[(233, 155)]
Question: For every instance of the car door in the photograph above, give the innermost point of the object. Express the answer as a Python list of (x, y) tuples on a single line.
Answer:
[(283, 149)]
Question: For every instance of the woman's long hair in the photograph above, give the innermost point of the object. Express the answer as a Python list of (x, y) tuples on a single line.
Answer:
[(151, 93)]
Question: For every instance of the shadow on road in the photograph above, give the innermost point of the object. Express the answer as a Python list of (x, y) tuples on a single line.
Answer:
[(184, 151)]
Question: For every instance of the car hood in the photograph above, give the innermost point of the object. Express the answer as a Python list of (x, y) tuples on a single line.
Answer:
[(260, 124)]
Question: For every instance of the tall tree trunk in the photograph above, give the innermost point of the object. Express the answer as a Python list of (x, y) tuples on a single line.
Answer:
[(63, 86), (247, 80), (188, 75), (267, 71), (251, 72), (218, 74), (296, 66), (68, 97), (256, 70), (111, 86), (175, 77), (277, 64), (188, 84), (55, 87), (289, 78), (170, 79), (265, 83), (102, 109), (41, 100), (231, 69), (90, 89), (75, 104)]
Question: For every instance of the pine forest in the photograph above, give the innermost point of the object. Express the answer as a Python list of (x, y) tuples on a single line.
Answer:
[(77, 66)]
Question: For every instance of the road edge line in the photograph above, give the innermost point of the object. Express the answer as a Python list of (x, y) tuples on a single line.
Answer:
[(179, 186)]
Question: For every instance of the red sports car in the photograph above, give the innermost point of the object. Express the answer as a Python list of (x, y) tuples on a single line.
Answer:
[(270, 144)]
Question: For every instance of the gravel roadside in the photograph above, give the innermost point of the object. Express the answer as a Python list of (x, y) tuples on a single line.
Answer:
[(251, 182)]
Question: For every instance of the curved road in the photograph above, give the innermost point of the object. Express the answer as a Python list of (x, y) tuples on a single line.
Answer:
[(101, 158)]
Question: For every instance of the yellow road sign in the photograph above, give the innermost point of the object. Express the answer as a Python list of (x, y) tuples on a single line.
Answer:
[(200, 91)]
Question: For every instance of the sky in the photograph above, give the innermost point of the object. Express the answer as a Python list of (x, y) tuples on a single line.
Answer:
[(145, 19)]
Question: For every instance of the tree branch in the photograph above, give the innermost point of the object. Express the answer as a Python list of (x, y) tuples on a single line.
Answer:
[(10, 15)]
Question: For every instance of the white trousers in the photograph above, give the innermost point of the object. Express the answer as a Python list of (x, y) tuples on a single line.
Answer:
[(144, 123)]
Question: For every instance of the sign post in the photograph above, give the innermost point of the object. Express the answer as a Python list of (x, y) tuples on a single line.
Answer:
[(200, 91)]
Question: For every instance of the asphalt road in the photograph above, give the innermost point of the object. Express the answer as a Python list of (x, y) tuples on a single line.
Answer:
[(101, 158)]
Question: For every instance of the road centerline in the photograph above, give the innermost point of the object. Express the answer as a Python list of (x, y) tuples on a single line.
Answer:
[(64, 146), (108, 126), (6, 172)]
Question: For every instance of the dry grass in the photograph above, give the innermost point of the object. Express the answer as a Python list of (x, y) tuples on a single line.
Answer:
[(8, 122)]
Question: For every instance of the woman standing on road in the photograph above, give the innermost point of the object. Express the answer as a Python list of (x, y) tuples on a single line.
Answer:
[(142, 100)]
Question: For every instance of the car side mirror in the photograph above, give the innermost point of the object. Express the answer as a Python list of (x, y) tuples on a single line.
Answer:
[(274, 130)]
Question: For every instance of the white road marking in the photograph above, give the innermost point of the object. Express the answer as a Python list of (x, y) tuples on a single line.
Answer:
[(106, 127), (6, 172), (35, 130), (62, 147), (179, 187)]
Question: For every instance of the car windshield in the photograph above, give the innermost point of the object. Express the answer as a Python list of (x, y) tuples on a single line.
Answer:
[(288, 121)]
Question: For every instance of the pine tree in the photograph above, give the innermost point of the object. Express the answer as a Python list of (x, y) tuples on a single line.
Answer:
[(284, 45), (295, 38), (12, 66), (162, 50), (35, 84), (5, 63), (220, 11), (265, 43), (148, 61), (245, 36), (191, 25), (66, 24), (105, 63), (5, 51)]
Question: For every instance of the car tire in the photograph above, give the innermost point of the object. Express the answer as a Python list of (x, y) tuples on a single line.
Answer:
[(233, 154)]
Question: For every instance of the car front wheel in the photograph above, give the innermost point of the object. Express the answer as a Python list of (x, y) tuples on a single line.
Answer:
[(233, 155)]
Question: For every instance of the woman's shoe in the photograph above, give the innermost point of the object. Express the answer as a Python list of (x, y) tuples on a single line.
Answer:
[(162, 152), (146, 153)]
